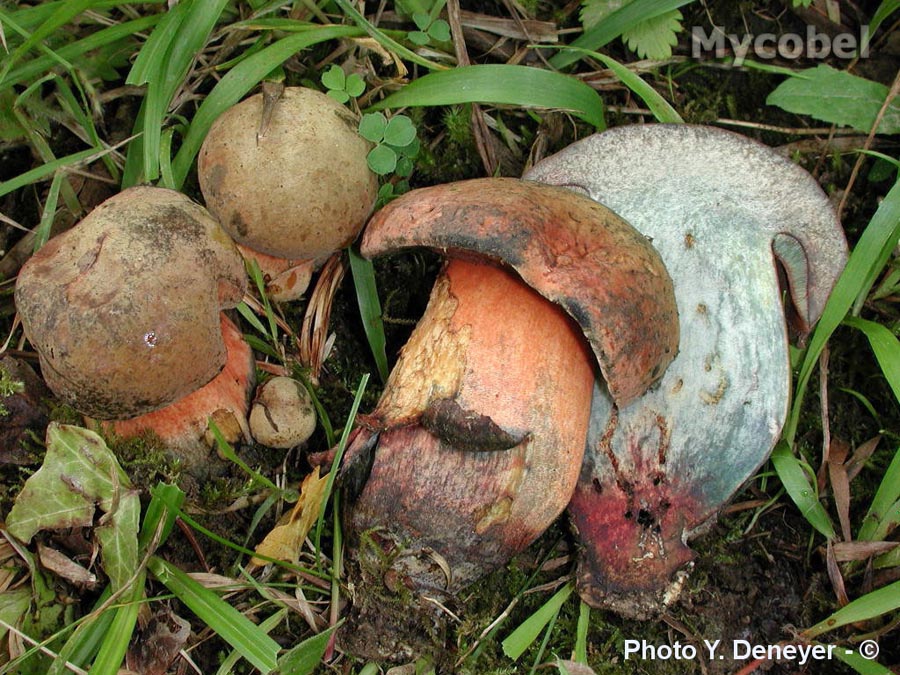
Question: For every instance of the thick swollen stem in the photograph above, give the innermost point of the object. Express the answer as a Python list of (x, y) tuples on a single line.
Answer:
[(480, 438)]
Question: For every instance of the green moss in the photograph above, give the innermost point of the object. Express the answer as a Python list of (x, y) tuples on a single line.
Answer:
[(8, 387)]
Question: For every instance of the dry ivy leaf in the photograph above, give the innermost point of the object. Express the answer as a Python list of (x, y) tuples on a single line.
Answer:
[(63, 566), (159, 644), (283, 542)]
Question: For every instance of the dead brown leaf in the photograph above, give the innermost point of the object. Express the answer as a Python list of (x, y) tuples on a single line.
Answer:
[(575, 668), (834, 573), (285, 539), (861, 550), (158, 644), (860, 456), (63, 566), (840, 484)]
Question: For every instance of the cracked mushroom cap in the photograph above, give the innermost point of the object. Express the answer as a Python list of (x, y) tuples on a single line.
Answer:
[(123, 309), (292, 181), (570, 249), (727, 215)]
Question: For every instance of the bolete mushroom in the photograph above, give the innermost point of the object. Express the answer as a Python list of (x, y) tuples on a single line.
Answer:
[(282, 414), (726, 214), (477, 438), (287, 178), (124, 308)]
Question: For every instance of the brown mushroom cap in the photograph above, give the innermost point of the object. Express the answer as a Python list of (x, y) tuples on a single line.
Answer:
[(300, 189), (123, 309), (570, 249)]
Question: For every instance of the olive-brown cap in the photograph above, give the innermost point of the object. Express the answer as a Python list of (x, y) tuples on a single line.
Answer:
[(293, 184), (123, 309)]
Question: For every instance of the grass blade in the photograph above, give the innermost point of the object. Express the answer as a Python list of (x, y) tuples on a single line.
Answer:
[(82, 113), (63, 15), (886, 347), (879, 513), (869, 606), (240, 80), (101, 38), (388, 43), (521, 638), (865, 263), (45, 170), (339, 455), (801, 490), (252, 319), (614, 25), (151, 58), (859, 663), (42, 233), (118, 636), (303, 659), (662, 111), (268, 624), (187, 39), (363, 272), (885, 9), (504, 85), (86, 640), (194, 525), (165, 500), (237, 630), (581, 633)]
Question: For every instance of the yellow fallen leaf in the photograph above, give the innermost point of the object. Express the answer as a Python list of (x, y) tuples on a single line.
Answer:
[(286, 538)]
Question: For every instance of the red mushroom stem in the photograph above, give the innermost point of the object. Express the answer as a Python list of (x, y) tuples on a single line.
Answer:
[(473, 448)]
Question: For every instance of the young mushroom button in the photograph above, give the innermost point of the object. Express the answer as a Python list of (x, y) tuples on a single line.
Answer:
[(287, 177), (476, 444), (726, 214), (124, 308)]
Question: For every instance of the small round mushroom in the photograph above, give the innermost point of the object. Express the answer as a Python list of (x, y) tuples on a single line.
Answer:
[(476, 444), (124, 308), (288, 181), (282, 415)]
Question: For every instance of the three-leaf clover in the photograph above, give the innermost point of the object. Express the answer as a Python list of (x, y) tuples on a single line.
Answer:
[(395, 143), (424, 13), (429, 29), (342, 87)]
